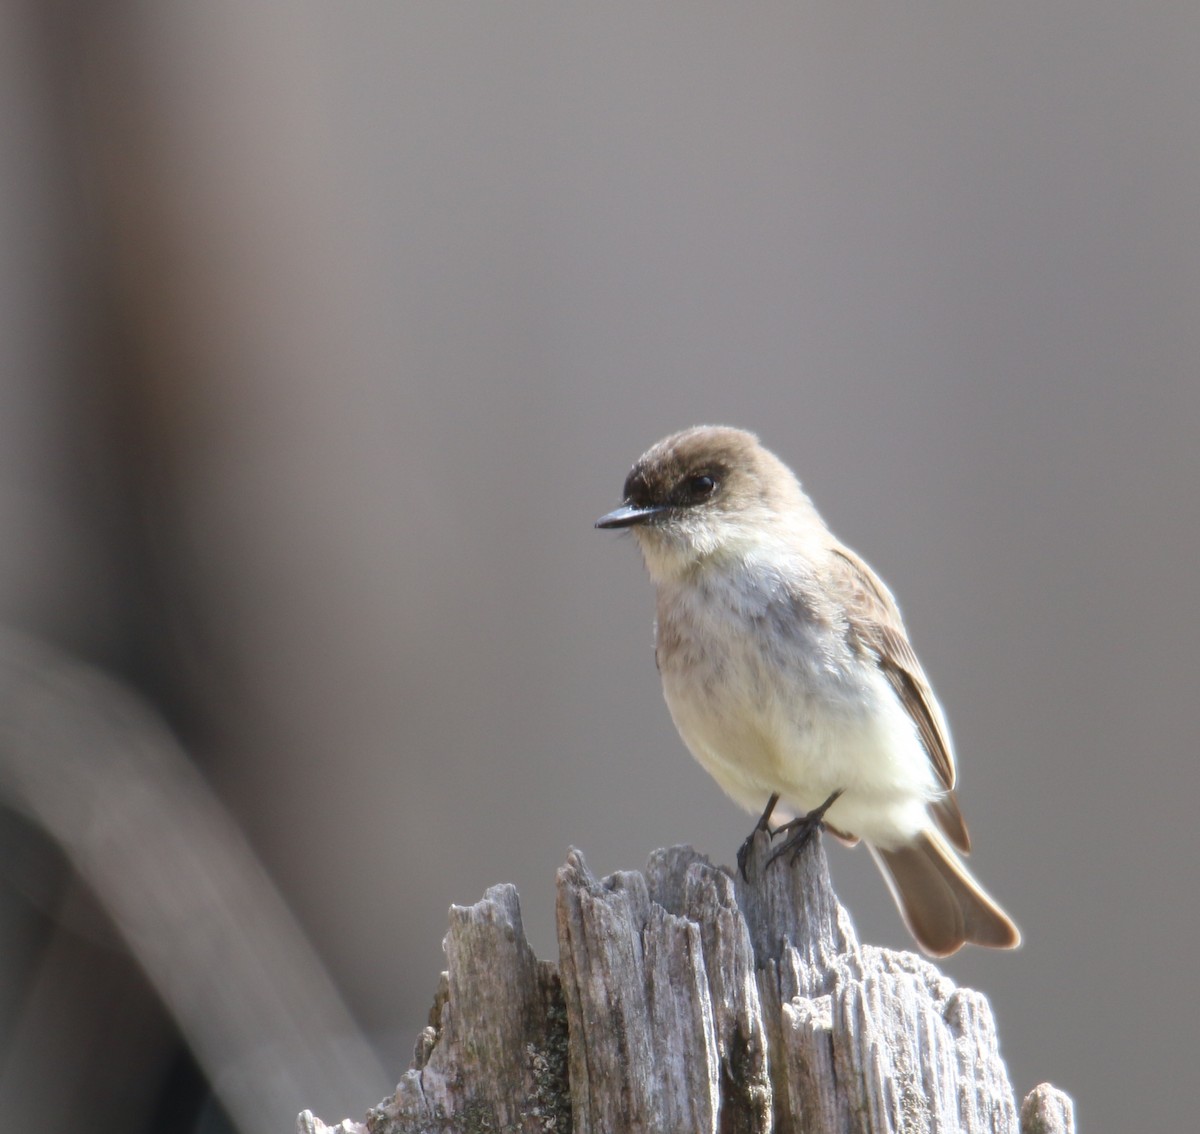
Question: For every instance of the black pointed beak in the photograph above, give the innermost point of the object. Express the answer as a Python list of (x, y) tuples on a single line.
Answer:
[(628, 515)]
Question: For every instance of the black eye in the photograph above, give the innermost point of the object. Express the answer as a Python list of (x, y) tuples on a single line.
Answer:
[(701, 487)]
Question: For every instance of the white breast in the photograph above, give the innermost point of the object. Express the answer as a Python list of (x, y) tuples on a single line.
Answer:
[(769, 696)]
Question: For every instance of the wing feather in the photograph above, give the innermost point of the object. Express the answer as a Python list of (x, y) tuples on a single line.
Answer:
[(874, 622)]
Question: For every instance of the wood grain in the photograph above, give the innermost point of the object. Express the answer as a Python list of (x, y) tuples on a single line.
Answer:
[(687, 999)]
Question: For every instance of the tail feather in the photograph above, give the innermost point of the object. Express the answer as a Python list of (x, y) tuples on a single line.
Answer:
[(942, 905), (949, 818)]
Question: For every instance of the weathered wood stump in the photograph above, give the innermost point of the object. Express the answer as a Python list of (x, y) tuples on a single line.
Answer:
[(688, 1000)]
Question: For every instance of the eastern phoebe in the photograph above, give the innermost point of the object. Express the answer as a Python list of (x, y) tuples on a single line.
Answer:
[(790, 677)]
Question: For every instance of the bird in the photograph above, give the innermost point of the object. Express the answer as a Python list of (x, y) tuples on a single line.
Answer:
[(791, 679)]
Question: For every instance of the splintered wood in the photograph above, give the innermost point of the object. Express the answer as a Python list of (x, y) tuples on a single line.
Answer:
[(688, 1000)]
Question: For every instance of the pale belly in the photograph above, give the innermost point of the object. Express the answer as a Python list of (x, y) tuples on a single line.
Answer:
[(758, 728)]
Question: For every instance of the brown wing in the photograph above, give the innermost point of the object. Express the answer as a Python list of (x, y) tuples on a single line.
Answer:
[(874, 621)]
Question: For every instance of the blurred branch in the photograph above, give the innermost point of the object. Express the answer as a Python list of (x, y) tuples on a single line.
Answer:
[(686, 999), (89, 762)]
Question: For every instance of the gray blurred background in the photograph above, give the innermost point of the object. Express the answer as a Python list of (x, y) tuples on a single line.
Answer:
[(326, 331)]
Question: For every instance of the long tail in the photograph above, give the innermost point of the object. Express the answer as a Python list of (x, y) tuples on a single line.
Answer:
[(942, 905)]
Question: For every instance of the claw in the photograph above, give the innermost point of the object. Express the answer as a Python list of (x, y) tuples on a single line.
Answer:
[(763, 824), (800, 830)]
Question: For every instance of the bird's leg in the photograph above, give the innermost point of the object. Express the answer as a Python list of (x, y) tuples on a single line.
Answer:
[(763, 824), (800, 830)]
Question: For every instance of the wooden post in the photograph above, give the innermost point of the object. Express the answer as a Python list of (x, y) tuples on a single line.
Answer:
[(687, 1000)]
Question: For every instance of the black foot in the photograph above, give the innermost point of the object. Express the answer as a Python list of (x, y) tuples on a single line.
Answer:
[(763, 824), (800, 830)]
